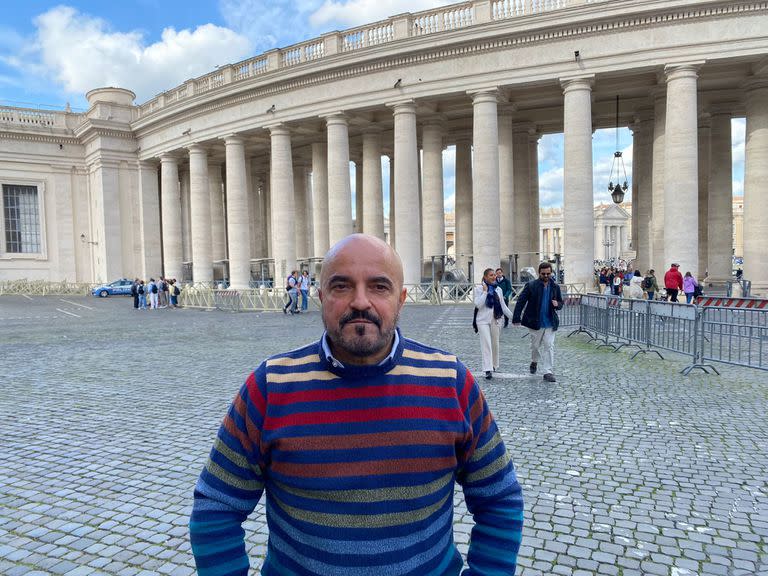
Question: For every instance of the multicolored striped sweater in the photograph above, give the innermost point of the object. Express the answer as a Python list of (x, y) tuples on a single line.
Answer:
[(358, 465)]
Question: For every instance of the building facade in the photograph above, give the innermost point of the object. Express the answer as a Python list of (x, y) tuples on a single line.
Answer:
[(248, 166)]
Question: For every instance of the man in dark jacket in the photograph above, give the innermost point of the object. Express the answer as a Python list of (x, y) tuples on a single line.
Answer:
[(506, 289), (537, 305)]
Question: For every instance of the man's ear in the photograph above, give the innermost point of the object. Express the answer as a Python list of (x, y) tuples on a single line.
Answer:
[(320, 294), (403, 296)]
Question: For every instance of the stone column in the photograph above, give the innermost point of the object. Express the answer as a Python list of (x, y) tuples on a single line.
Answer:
[(373, 200), (339, 189), (170, 204), (506, 189), (359, 176), (320, 198), (282, 203), (720, 200), (149, 218), (463, 204), (392, 200), (485, 182), (642, 190), (238, 215), (659, 260), (200, 211), (755, 177), (301, 214), (704, 136), (186, 221), (433, 204), (619, 240), (521, 196), (533, 199), (578, 212), (218, 227), (258, 222), (681, 167), (407, 213)]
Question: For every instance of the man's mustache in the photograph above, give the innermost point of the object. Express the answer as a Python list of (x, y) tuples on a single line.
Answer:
[(359, 315)]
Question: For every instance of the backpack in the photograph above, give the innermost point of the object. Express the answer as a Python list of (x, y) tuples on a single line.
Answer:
[(154, 288), (140, 290), (288, 283), (647, 282), (176, 291)]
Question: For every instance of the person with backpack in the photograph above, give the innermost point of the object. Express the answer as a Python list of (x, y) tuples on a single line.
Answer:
[(650, 286), (142, 292), (135, 293), (152, 289), (174, 291), (291, 287)]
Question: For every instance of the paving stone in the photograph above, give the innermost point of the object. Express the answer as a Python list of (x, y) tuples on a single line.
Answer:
[(621, 475)]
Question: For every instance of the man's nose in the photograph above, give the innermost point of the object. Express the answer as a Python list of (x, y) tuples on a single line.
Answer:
[(360, 299)]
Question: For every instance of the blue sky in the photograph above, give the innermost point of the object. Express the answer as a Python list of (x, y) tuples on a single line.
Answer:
[(52, 53)]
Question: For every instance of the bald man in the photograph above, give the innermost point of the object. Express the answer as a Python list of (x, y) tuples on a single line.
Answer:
[(357, 442)]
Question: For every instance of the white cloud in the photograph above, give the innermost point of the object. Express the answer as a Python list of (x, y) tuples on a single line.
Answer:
[(270, 24), (80, 52), (356, 12), (551, 187)]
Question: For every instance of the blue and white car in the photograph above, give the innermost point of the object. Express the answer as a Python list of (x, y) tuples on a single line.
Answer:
[(118, 287)]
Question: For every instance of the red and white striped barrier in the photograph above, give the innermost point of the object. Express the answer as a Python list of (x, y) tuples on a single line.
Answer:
[(723, 302)]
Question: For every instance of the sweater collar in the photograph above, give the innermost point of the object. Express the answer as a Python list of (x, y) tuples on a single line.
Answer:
[(354, 370)]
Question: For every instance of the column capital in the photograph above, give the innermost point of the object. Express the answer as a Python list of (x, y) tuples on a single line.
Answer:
[(486, 95), (169, 157), (434, 121), (149, 164), (233, 139), (197, 148), (278, 130), (723, 108), (755, 83), (403, 107), (684, 70), (570, 84), (336, 118)]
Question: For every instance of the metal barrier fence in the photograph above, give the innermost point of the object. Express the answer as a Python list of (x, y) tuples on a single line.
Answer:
[(45, 288), (705, 334)]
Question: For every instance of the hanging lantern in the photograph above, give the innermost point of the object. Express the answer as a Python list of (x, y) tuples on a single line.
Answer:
[(617, 190)]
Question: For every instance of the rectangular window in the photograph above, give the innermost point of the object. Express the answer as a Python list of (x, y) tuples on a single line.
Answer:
[(21, 212)]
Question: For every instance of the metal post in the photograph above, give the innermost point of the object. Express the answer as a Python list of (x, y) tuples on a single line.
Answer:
[(517, 272)]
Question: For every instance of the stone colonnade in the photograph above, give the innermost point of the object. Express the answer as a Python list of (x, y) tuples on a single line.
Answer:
[(286, 208)]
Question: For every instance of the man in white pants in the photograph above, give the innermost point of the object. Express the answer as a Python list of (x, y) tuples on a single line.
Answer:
[(489, 302), (536, 309)]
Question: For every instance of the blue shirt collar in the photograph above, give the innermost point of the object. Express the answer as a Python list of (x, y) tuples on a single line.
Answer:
[(334, 362)]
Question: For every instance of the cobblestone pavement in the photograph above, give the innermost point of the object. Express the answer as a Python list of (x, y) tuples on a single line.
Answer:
[(107, 415)]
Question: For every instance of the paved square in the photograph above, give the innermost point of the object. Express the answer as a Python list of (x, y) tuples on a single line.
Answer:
[(107, 415)]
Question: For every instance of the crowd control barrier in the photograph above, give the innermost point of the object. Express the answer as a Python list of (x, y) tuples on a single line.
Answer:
[(734, 334)]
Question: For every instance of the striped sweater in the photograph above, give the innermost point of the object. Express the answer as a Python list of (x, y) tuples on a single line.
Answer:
[(358, 465)]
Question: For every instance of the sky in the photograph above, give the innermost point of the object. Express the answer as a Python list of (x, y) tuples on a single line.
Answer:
[(52, 53)]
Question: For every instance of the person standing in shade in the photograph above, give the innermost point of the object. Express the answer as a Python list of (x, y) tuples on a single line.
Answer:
[(489, 303), (506, 290), (135, 293), (304, 287), (357, 440), (673, 282), (536, 309)]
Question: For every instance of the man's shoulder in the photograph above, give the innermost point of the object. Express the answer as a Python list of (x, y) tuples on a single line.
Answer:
[(302, 356), (417, 351)]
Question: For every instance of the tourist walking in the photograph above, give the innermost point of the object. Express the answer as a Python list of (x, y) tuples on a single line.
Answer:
[(673, 282), (650, 285), (490, 306), (689, 287), (506, 290), (357, 440), (635, 290), (536, 309), (291, 288), (142, 290), (304, 287)]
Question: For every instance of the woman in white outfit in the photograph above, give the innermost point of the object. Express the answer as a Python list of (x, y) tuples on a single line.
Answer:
[(489, 301)]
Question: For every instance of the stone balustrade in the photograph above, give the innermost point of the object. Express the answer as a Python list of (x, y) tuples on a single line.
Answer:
[(452, 17), (32, 118)]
